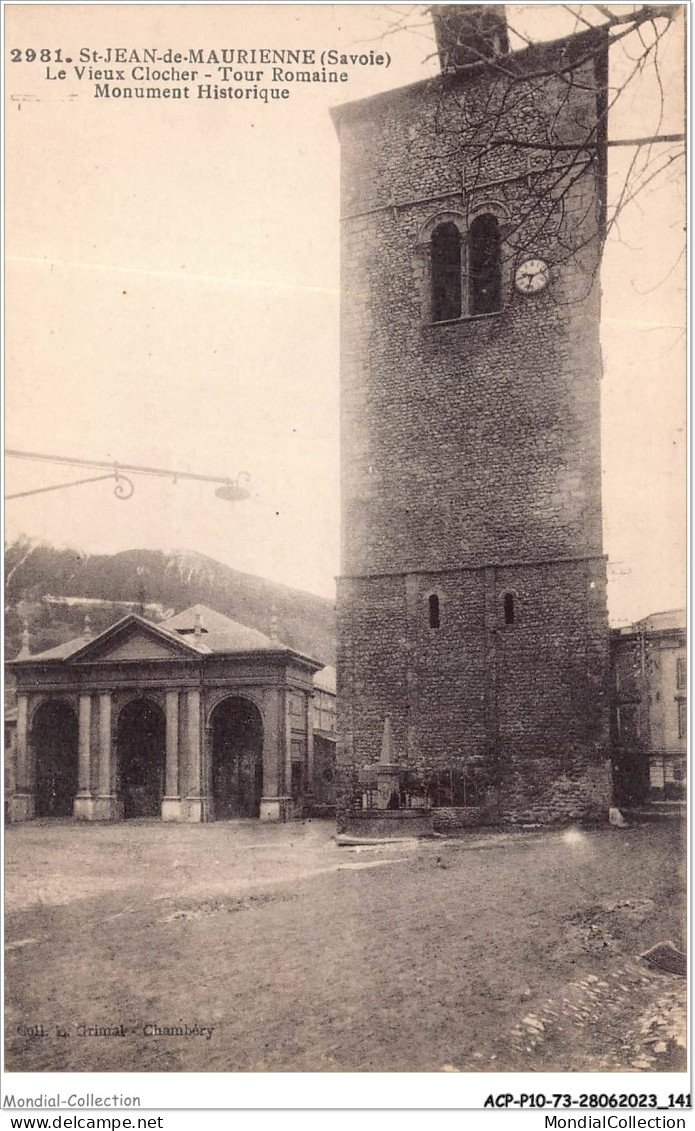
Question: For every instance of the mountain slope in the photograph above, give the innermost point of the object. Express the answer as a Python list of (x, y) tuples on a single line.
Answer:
[(157, 581)]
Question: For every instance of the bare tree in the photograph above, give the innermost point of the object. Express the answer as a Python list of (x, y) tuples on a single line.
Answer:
[(16, 554), (528, 117)]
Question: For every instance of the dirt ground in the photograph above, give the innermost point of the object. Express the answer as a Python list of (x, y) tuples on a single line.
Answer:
[(274, 949)]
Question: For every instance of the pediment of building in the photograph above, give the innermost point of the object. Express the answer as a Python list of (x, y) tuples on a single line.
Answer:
[(133, 641), (139, 647)]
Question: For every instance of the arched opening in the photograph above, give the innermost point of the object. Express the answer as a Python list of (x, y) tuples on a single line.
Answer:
[(485, 281), (446, 273), (141, 743), (54, 738), (324, 783), (237, 758)]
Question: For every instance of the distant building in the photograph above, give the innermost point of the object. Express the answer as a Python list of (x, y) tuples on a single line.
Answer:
[(324, 711), (153, 610), (649, 698), (197, 718)]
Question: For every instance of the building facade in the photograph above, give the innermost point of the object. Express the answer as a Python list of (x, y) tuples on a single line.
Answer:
[(472, 622), (324, 742), (650, 708), (197, 718)]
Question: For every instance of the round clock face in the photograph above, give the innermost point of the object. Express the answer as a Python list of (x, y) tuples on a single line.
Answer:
[(532, 276)]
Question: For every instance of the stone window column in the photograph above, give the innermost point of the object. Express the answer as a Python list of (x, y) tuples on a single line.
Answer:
[(171, 802)]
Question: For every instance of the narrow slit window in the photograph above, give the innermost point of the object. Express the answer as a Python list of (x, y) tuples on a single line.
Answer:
[(485, 281), (446, 273), (509, 608), (433, 603)]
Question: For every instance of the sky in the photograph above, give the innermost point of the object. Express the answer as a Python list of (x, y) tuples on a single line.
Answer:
[(172, 295)]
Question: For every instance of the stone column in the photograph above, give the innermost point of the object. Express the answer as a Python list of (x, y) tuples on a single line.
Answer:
[(84, 802), (11, 769), (273, 803), (287, 719), (22, 803), (197, 803), (105, 744), (23, 770), (207, 775), (309, 790), (106, 805), (171, 802)]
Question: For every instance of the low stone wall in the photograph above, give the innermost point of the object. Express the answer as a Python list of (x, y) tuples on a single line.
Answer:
[(375, 823), (448, 819), (538, 794), (316, 810), (535, 789)]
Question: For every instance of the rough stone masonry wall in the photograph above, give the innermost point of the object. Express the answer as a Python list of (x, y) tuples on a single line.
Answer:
[(469, 441), (520, 709), (471, 468)]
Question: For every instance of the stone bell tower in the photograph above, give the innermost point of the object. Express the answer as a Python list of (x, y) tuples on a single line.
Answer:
[(472, 596)]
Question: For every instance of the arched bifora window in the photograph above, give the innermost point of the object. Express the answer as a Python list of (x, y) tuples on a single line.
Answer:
[(433, 607), (446, 272), (485, 283)]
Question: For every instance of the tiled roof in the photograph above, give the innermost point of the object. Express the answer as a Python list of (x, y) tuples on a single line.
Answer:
[(220, 633), (71, 647), (61, 651), (670, 618)]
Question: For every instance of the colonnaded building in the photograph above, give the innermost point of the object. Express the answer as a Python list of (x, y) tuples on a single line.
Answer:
[(196, 718), (473, 638)]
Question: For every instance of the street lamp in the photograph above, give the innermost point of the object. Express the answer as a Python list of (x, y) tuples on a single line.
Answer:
[(231, 490)]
